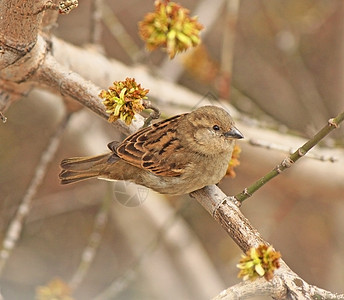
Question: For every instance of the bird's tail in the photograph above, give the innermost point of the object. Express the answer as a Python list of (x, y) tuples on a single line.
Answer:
[(81, 168)]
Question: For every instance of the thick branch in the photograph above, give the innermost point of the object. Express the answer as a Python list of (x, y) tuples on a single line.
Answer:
[(229, 216), (260, 287), (52, 74), (19, 29)]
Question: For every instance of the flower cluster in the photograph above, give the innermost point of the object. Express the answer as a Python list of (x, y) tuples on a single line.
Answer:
[(234, 162), (55, 289), (259, 262), (171, 27), (123, 100)]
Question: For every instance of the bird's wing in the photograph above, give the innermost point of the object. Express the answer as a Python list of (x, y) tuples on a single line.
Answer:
[(152, 147)]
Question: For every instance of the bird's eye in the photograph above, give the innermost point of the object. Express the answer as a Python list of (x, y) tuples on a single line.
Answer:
[(216, 127)]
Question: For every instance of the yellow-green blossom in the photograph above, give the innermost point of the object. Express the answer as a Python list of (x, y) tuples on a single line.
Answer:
[(171, 27), (54, 290), (123, 100), (234, 162), (259, 262)]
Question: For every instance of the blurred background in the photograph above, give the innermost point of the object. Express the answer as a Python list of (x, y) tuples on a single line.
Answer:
[(280, 64)]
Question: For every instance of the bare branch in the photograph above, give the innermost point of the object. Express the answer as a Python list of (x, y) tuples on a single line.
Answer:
[(11, 92), (288, 161), (2, 117), (225, 212), (18, 35), (260, 287), (285, 285), (228, 215), (52, 74)]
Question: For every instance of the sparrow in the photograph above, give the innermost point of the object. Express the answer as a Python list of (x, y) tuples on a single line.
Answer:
[(175, 156)]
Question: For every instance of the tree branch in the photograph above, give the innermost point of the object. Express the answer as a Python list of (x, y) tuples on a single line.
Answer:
[(238, 227), (260, 287), (291, 159), (55, 76)]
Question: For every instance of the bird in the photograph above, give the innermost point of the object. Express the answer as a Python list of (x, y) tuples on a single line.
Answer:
[(177, 156)]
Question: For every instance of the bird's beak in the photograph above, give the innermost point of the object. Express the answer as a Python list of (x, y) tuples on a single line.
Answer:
[(234, 133)]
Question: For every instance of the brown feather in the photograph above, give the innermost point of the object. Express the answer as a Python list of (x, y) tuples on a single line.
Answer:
[(81, 168), (149, 147)]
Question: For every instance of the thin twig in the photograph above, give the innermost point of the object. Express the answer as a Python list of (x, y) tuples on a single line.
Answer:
[(155, 114), (291, 159), (16, 226), (9, 93), (3, 117), (90, 250)]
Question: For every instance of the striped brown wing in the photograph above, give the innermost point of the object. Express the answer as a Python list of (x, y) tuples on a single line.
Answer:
[(151, 148)]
